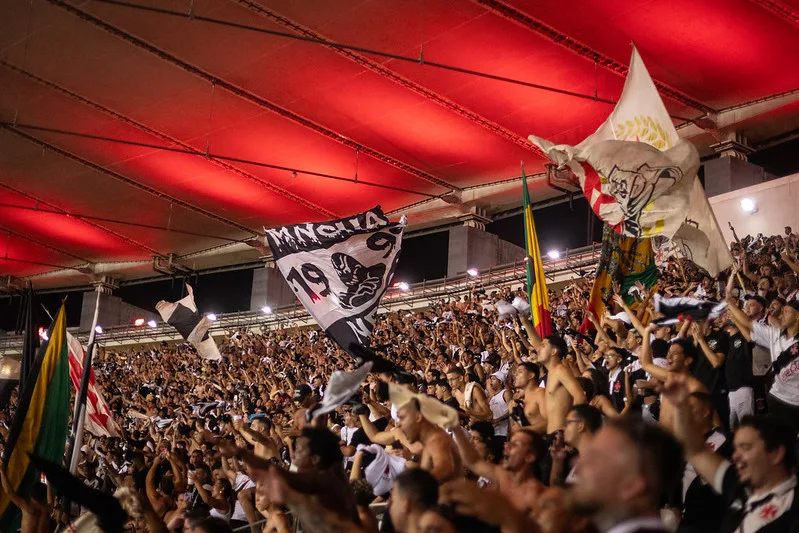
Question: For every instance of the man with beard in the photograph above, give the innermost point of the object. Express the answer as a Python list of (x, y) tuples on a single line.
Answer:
[(759, 489), (562, 388), (438, 454), (515, 475), (623, 473)]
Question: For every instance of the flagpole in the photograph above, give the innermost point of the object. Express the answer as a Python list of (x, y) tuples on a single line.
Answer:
[(79, 416)]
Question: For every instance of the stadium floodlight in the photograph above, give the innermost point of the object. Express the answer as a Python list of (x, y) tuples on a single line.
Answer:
[(473, 272), (152, 324), (138, 322), (98, 329), (211, 317), (403, 286), (748, 205), (43, 333), (266, 310), (553, 254)]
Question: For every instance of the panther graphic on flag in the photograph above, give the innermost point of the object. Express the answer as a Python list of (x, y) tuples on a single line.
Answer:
[(362, 282), (634, 188)]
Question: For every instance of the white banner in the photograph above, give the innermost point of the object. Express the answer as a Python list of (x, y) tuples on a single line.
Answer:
[(636, 192), (340, 269)]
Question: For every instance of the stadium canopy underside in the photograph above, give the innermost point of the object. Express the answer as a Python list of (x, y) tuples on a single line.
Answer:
[(169, 133)]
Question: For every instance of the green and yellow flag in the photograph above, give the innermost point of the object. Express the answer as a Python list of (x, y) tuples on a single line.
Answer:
[(536, 280), (624, 260), (41, 421)]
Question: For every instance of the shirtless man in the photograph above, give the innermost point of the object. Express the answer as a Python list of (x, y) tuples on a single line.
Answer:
[(562, 389), (36, 512), (439, 456), (471, 396), (678, 359), (257, 434), (525, 381), (515, 476)]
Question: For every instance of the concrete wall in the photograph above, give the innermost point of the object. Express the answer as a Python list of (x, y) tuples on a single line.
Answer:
[(473, 248), (725, 174), (777, 206), (269, 288), (113, 311)]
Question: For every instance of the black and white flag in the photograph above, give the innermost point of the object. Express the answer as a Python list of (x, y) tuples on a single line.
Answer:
[(340, 269), (184, 317), (676, 310)]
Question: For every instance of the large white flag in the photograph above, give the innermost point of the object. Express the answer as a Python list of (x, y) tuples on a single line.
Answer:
[(99, 420), (340, 269), (641, 178)]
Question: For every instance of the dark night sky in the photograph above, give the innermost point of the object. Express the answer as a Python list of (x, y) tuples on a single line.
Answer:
[(423, 257)]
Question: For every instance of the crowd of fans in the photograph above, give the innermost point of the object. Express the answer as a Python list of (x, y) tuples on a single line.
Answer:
[(611, 424)]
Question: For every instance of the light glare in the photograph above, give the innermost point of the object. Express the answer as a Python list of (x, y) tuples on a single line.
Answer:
[(748, 205), (553, 254), (473, 272)]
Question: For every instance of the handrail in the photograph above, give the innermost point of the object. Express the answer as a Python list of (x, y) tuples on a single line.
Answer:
[(418, 296)]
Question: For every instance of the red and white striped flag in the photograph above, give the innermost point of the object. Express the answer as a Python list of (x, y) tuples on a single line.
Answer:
[(99, 420)]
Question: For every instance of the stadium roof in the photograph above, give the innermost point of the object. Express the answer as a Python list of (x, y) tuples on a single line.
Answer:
[(213, 119)]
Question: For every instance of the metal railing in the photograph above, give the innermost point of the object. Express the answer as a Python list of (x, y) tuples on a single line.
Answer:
[(570, 264)]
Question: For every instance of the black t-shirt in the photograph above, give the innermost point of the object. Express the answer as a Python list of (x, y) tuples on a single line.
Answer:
[(615, 389), (738, 365), (777, 512), (452, 402), (359, 437), (703, 370), (703, 508)]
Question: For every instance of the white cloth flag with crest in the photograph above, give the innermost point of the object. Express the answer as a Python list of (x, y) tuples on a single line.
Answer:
[(340, 269), (639, 176)]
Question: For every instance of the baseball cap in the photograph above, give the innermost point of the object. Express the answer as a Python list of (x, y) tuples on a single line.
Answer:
[(500, 375), (756, 297)]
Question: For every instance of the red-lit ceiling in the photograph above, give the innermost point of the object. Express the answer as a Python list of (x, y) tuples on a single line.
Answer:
[(412, 132)]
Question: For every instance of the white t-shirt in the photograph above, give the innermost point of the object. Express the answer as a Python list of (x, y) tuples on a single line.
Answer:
[(786, 383)]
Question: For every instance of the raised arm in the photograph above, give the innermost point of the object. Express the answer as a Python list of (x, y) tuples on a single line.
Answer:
[(152, 492), (384, 438), (646, 356), (471, 458), (716, 359), (15, 498), (742, 322), (532, 334), (636, 322), (179, 473)]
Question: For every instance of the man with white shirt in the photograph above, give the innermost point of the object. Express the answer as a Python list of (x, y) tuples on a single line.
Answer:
[(783, 346), (759, 489)]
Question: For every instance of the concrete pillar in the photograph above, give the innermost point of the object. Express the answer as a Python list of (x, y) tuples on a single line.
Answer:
[(726, 174), (732, 170), (471, 247), (113, 311), (269, 288)]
